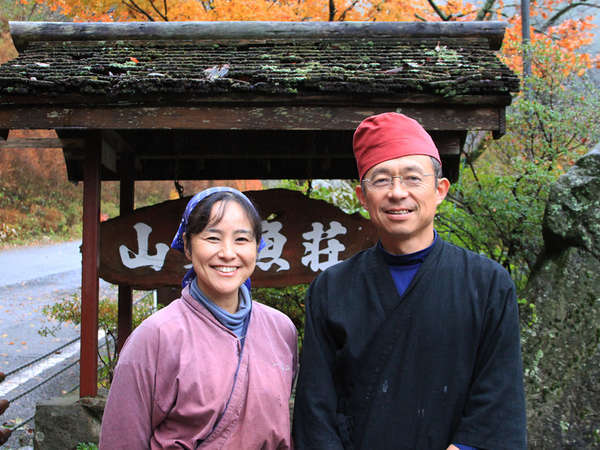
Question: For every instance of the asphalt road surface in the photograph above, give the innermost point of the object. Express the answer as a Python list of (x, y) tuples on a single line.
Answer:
[(31, 278)]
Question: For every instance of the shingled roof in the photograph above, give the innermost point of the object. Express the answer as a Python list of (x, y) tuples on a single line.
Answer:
[(256, 99), (284, 65)]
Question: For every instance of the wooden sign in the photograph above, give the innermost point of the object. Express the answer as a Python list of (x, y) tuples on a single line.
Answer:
[(303, 237)]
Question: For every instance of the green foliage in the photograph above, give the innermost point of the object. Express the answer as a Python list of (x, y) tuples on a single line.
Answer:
[(86, 446), (289, 300), (497, 206), (69, 311), (340, 193)]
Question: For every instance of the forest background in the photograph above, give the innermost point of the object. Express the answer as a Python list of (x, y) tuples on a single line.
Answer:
[(496, 208)]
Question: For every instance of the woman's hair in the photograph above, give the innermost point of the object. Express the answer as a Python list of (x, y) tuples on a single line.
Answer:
[(200, 215)]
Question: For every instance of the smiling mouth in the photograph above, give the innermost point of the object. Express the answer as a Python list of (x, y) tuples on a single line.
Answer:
[(398, 212), (225, 269)]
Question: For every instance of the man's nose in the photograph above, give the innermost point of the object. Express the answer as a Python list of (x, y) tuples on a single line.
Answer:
[(398, 189)]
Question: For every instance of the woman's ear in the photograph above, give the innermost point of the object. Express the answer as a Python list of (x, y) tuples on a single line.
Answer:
[(186, 250)]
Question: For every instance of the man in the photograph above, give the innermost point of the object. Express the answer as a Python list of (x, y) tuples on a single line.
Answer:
[(414, 343)]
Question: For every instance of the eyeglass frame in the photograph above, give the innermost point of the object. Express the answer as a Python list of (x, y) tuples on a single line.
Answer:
[(401, 178)]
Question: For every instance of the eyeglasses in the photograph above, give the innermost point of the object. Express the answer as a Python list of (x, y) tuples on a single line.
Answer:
[(412, 181)]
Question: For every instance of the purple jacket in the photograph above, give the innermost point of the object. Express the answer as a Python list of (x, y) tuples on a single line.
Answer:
[(176, 373)]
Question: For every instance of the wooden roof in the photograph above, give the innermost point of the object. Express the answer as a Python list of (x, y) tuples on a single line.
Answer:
[(250, 99)]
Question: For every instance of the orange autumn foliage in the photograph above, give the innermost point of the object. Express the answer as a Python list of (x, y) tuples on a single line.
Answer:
[(211, 10), (568, 36)]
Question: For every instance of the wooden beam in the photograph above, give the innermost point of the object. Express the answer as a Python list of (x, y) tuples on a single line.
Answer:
[(228, 117), (23, 33), (448, 143), (109, 156), (126, 206), (89, 284)]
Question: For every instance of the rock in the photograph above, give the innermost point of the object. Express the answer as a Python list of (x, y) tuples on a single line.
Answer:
[(561, 346), (572, 216), (62, 423)]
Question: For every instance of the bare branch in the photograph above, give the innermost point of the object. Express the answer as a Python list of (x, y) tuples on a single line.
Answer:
[(484, 12), (438, 11), (33, 8), (157, 11), (331, 10), (134, 7), (342, 16), (552, 20)]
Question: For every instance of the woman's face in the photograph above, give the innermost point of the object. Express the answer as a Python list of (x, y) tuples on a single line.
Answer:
[(224, 255)]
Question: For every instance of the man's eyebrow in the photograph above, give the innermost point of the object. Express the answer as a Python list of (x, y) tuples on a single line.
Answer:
[(380, 171), (386, 171)]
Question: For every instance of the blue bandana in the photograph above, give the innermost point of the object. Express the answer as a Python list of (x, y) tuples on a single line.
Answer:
[(177, 243)]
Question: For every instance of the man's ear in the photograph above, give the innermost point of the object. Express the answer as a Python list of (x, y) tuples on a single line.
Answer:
[(442, 189), (186, 250), (361, 195)]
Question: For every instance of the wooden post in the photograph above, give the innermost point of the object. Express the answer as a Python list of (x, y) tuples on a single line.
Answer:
[(88, 375), (126, 205)]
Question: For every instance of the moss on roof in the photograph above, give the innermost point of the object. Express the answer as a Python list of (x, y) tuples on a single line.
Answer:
[(110, 71)]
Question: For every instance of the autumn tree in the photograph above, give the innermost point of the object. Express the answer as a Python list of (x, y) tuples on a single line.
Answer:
[(210, 10)]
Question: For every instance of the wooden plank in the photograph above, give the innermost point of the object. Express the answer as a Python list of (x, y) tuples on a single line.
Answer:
[(136, 247), (72, 100), (41, 143), (224, 117), (88, 375), (23, 33)]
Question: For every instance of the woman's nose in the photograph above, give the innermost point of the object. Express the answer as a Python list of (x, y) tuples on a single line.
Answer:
[(226, 250)]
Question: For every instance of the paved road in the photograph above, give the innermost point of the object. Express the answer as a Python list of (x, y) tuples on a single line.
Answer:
[(31, 278), (30, 263)]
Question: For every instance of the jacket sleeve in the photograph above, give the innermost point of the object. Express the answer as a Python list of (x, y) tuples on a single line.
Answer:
[(131, 409), (316, 399), (494, 414)]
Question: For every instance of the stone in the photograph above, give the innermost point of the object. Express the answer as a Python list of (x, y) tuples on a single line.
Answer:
[(62, 423), (561, 334), (572, 216)]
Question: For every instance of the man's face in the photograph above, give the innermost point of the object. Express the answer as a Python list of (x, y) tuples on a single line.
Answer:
[(403, 216)]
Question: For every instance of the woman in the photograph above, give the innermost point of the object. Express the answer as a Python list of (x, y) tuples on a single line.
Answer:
[(213, 369)]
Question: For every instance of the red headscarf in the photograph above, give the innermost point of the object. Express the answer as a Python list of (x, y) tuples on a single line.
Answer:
[(388, 136)]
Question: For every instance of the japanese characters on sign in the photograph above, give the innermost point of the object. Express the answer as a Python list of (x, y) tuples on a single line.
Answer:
[(302, 236)]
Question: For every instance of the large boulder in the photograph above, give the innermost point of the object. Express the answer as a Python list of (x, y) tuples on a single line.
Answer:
[(62, 423), (561, 342)]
